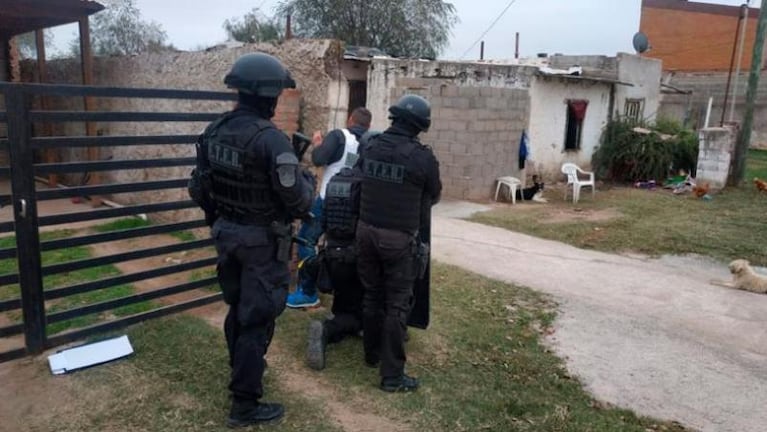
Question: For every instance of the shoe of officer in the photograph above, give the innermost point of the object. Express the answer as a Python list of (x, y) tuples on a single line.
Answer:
[(318, 343), (402, 383), (248, 412), (298, 299)]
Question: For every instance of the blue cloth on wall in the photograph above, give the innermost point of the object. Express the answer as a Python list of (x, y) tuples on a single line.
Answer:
[(524, 149)]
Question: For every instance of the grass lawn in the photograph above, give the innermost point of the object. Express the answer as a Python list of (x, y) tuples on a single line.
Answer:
[(70, 278), (652, 222), (482, 366)]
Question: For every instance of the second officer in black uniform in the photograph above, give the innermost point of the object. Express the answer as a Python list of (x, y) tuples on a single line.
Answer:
[(401, 176), (249, 181)]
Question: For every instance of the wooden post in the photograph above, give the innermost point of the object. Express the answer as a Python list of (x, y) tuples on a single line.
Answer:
[(49, 155), (90, 128), (744, 141)]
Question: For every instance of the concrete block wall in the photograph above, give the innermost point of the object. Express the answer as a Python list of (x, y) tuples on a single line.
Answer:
[(474, 134), (715, 155), (713, 84)]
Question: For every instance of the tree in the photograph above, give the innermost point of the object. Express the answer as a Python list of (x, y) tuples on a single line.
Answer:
[(253, 27), (119, 30), (403, 28), (27, 43)]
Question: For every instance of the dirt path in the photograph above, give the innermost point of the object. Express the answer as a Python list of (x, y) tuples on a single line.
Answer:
[(650, 335), (351, 417)]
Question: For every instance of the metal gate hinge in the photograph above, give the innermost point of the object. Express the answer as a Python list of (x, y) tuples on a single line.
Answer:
[(23, 212)]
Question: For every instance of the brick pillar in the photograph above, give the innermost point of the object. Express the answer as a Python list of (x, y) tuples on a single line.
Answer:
[(288, 111)]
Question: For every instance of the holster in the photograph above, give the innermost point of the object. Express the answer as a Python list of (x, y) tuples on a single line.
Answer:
[(284, 234)]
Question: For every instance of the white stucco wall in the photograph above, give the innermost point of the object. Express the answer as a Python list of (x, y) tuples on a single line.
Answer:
[(387, 74), (645, 74), (548, 119)]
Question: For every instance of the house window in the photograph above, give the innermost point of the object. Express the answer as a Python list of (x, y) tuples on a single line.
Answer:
[(576, 112), (634, 110)]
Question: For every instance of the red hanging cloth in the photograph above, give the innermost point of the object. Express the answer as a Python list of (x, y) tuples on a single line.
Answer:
[(578, 108)]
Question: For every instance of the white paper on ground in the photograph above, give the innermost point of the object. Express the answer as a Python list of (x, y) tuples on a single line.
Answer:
[(89, 355)]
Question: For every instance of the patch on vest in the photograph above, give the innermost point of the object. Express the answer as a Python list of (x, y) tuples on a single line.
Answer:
[(225, 156), (351, 160), (287, 165), (339, 190), (383, 171)]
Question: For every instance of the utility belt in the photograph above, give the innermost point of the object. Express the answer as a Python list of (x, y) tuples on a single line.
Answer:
[(242, 218)]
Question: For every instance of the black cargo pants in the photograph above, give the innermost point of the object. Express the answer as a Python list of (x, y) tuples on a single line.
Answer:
[(386, 266), (255, 286)]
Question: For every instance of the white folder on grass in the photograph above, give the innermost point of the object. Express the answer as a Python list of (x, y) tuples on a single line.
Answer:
[(89, 355)]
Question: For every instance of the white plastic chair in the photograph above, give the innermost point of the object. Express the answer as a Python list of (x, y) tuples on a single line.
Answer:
[(512, 183), (571, 171)]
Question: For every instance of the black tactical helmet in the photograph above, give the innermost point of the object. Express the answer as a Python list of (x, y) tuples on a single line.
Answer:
[(259, 74), (413, 109)]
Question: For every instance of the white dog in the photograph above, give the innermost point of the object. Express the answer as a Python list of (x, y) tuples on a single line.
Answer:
[(744, 278)]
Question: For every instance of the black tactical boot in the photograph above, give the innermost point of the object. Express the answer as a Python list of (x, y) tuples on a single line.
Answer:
[(247, 413), (403, 383), (318, 342)]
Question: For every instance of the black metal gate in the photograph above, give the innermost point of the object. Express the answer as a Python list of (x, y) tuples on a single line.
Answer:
[(31, 271)]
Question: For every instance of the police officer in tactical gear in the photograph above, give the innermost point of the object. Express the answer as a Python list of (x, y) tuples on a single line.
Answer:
[(248, 175), (400, 180), (339, 258)]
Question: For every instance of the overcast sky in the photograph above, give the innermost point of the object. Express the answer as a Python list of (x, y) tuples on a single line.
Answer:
[(551, 26)]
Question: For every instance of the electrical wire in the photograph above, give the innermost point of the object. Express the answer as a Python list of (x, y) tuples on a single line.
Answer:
[(498, 18)]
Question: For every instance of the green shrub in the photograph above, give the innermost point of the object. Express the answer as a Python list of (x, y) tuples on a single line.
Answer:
[(625, 155)]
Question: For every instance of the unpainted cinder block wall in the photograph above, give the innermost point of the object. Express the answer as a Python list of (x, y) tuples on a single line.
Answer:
[(475, 133)]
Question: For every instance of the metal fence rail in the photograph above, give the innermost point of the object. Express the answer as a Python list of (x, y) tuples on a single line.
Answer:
[(24, 197)]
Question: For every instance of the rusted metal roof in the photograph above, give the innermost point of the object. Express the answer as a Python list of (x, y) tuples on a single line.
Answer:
[(22, 16)]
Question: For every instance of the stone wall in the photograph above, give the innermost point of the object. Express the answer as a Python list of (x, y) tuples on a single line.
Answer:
[(715, 156), (313, 64)]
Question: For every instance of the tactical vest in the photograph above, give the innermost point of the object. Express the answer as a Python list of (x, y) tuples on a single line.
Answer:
[(241, 187), (342, 205), (391, 195)]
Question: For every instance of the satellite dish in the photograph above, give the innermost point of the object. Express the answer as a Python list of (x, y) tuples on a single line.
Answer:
[(641, 43)]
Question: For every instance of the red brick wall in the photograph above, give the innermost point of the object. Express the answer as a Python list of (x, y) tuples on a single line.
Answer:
[(288, 111), (692, 36)]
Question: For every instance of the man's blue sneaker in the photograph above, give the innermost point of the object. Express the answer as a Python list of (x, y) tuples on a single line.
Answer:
[(298, 300)]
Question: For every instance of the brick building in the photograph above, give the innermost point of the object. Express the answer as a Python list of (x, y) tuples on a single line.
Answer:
[(692, 36)]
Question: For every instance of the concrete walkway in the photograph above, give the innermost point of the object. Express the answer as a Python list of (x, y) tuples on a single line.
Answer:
[(649, 335)]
